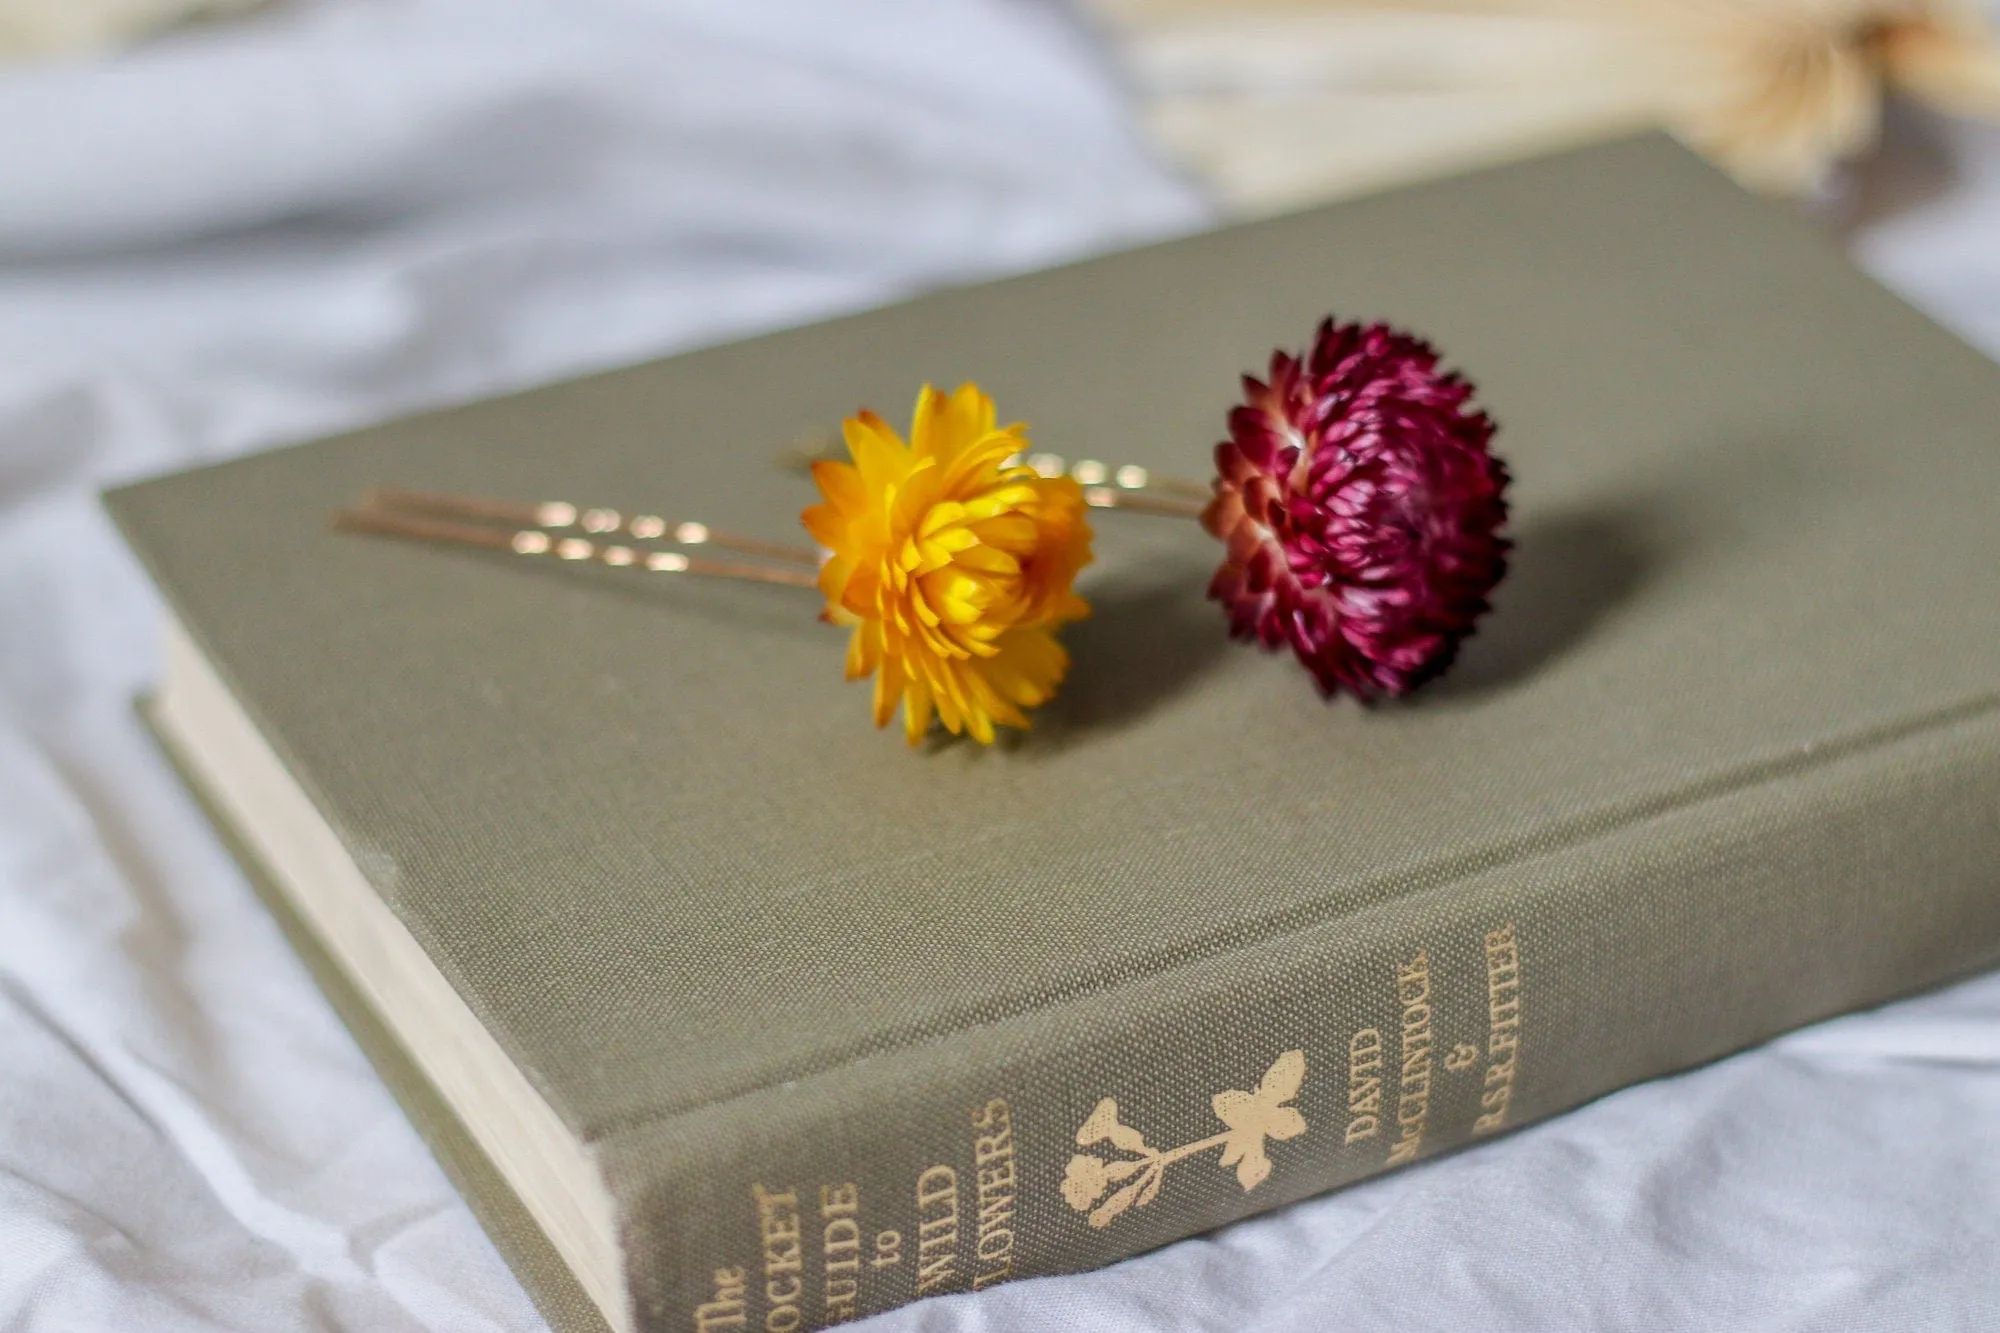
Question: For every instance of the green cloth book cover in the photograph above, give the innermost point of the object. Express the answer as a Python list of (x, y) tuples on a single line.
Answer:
[(764, 1020)]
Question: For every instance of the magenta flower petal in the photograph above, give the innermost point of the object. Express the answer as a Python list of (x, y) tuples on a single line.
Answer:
[(1361, 506)]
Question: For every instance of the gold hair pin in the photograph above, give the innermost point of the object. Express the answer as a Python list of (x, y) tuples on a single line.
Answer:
[(949, 558), (1357, 497), (1105, 485), (538, 529)]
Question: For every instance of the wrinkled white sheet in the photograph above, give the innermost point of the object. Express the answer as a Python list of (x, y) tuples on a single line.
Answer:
[(345, 209)]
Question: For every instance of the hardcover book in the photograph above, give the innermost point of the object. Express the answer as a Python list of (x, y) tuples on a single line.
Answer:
[(728, 1011)]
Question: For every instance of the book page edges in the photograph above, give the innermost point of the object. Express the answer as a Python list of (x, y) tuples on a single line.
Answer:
[(555, 1175)]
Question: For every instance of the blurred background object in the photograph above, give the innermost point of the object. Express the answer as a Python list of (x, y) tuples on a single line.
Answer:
[(1282, 102), (30, 28)]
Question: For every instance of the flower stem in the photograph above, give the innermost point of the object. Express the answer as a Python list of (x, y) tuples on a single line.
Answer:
[(1190, 1149)]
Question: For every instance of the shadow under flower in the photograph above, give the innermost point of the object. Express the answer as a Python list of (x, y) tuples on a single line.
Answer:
[(1144, 643), (1567, 572)]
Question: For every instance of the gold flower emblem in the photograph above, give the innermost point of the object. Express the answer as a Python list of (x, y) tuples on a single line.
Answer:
[(1107, 1186)]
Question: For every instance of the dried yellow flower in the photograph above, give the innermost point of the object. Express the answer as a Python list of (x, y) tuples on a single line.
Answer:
[(952, 562)]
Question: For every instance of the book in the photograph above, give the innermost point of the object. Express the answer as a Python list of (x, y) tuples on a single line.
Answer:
[(728, 1011)]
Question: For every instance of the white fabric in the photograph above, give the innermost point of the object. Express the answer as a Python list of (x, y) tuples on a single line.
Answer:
[(339, 210)]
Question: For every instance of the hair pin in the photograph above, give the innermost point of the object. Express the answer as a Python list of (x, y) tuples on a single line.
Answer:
[(1105, 485), (535, 541), (1357, 498), (541, 516), (950, 562)]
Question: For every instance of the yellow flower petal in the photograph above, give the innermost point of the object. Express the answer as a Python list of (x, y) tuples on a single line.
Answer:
[(943, 426), (826, 524), (841, 484), (916, 711), (863, 652), (888, 690)]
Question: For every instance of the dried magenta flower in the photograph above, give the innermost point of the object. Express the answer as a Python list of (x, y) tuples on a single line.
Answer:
[(1361, 506)]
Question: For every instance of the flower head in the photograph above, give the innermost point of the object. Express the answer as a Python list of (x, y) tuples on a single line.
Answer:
[(1361, 507), (952, 563), (1084, 1181)]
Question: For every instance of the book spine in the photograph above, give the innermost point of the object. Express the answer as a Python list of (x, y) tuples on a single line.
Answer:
[(1161, 1106)]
